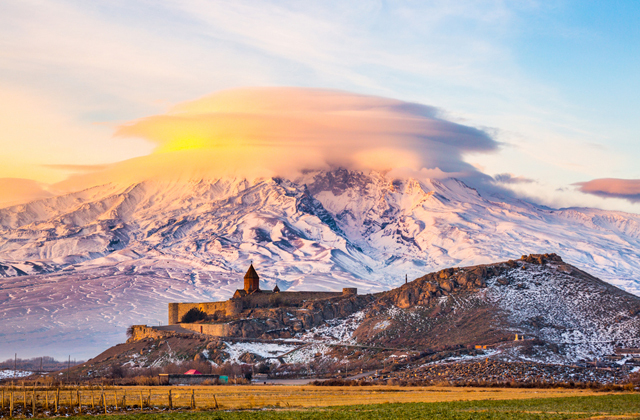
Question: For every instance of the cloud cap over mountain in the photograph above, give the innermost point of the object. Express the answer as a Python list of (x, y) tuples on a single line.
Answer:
[(317, 128)]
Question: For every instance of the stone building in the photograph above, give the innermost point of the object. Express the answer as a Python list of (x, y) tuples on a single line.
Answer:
[(251, 284), (250, 297)]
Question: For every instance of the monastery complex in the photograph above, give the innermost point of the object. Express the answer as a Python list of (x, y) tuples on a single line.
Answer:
[(252, 297)]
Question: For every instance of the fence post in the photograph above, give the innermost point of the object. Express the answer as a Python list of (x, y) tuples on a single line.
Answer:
[(193, 399), (57, 398), (11, 405), (93, 403), (115, 396), (33, 402), (104, 400), (46, 398), (215, 400), (124, 400), (170, 402), (24, 398), (140, 400), (79, 402)]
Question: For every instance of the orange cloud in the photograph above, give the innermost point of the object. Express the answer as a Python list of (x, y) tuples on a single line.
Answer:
[(256, 132), (626, 189), (335, 128), (18, 190), (76, 168)]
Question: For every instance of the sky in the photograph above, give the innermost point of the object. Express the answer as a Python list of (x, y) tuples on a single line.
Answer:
[(549, 91)]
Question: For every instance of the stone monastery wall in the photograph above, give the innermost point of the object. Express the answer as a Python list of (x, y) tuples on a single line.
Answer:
[(249, 298), (178, 310), (273, 300), (140, 332), (255, 300), (219, 330)]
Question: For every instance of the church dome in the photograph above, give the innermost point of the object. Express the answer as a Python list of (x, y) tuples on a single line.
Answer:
[(251, 280)]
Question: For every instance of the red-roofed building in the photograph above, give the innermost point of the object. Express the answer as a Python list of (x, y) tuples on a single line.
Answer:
[(192, 372)]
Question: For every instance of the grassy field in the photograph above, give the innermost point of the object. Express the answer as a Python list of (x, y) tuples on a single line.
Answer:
[(258, 396), (243, 397), (310, 402), (621, 406)]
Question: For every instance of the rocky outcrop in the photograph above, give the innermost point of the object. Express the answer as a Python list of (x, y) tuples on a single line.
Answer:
[(495, 371), (423, 290), (286, 322)]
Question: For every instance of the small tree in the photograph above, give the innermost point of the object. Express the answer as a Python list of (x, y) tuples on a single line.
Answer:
[(193, 315), (130, 331), (263, 368)]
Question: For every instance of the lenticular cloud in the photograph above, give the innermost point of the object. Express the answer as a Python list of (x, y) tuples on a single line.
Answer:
[(256, 132), (298, 128)]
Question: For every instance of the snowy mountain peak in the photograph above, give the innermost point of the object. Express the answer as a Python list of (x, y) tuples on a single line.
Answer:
[(122, 252)]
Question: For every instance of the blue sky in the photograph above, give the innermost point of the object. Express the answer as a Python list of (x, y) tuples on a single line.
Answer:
[(555, 82), (586, 50)]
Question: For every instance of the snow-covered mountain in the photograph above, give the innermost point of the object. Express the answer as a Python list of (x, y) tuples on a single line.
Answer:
[(77, 269)]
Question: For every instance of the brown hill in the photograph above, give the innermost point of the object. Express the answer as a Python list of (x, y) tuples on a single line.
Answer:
[(566, 314)]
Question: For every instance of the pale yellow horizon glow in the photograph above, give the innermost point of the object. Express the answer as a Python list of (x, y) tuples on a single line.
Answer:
[(41, 143)]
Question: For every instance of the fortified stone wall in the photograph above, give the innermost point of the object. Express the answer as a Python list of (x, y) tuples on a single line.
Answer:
[(140, 332), (178, 310), (219, 330), (233, 307), (273, 300)]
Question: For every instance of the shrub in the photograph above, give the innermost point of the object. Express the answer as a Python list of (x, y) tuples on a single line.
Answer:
[(117, 372), (146, 380), (193, 315), (263, 368)]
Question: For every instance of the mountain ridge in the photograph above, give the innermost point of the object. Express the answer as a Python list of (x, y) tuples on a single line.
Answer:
[(174, 241)]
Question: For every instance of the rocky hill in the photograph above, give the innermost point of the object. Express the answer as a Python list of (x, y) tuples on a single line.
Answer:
[(565, 314), (562, 316)]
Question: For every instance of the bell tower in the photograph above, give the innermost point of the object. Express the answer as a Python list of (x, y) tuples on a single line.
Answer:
[(251, 280)]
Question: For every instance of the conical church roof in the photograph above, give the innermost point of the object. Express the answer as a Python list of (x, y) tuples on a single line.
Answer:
[(251, 273)]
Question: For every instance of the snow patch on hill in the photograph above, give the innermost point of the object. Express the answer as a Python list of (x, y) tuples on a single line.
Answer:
[(9, 373), (265, 350), (582, 316), (337, 330)]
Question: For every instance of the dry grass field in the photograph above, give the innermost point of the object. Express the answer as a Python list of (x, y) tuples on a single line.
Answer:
[(243, 397), (74, 401), (578, 406)]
